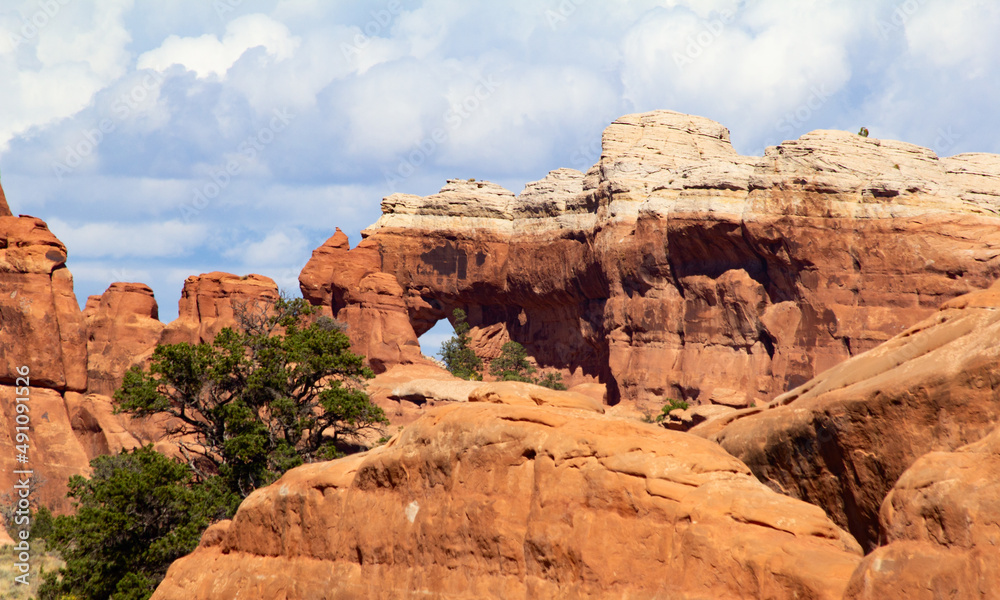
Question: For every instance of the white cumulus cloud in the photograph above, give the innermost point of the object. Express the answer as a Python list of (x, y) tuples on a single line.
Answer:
[(207, 55)]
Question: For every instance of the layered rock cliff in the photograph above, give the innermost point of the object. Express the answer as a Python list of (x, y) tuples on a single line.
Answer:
[(676, 266)]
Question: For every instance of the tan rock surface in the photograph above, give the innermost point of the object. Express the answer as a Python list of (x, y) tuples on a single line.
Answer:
[(676, 267), (516, 393), (496, 501), (841, 440), (431, 391), (941, 527), (686, 419)]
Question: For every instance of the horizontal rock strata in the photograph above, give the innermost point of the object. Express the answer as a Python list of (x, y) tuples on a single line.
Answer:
[(676, 267)]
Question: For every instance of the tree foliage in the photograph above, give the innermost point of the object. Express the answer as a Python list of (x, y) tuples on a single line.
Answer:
[(458, 356), (260, 399), (513, 365), (137, 513), (671, 405)]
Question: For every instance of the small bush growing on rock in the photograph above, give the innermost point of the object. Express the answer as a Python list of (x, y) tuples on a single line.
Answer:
[(551, 380), (671, 405), (460, 360), (513, 365)]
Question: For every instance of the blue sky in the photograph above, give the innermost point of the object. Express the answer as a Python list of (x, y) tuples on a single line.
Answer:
[(161, 140)]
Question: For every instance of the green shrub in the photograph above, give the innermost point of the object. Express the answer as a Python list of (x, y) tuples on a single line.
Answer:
[(253, 403), (671, 405), (460, 360), (139, 512)]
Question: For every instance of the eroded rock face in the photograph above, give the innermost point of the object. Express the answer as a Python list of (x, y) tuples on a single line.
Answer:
[(206, 304), (843, 439), (480, 500), (123, 328), (41, 325), (941, 524), (676, 267), (42, 339)]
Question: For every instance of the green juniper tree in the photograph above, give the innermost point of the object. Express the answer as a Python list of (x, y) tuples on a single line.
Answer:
[(279, 390), (458, 357), (138, 512), (513, 365), (261, 399)]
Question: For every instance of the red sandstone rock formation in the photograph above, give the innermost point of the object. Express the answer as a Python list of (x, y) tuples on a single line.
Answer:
[(42, 326), (206, 305), (676, 267), (842, 440), (41, 329), (941, 524), (123, 328), (77, 360), (496, 501), (379, 315), (4, 209)]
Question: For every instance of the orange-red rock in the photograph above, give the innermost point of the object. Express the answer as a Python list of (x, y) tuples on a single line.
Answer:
[(378, 323), (43, 357), (206, 304), (941, 524), (482, 500), (676, 267), (123, 328), (54, 452), (41, 325), (100, 431), (841, 440)]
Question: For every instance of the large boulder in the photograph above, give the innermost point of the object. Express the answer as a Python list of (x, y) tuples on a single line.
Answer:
[(941, 527), (841, 440), (676, 267), (478, 500)]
